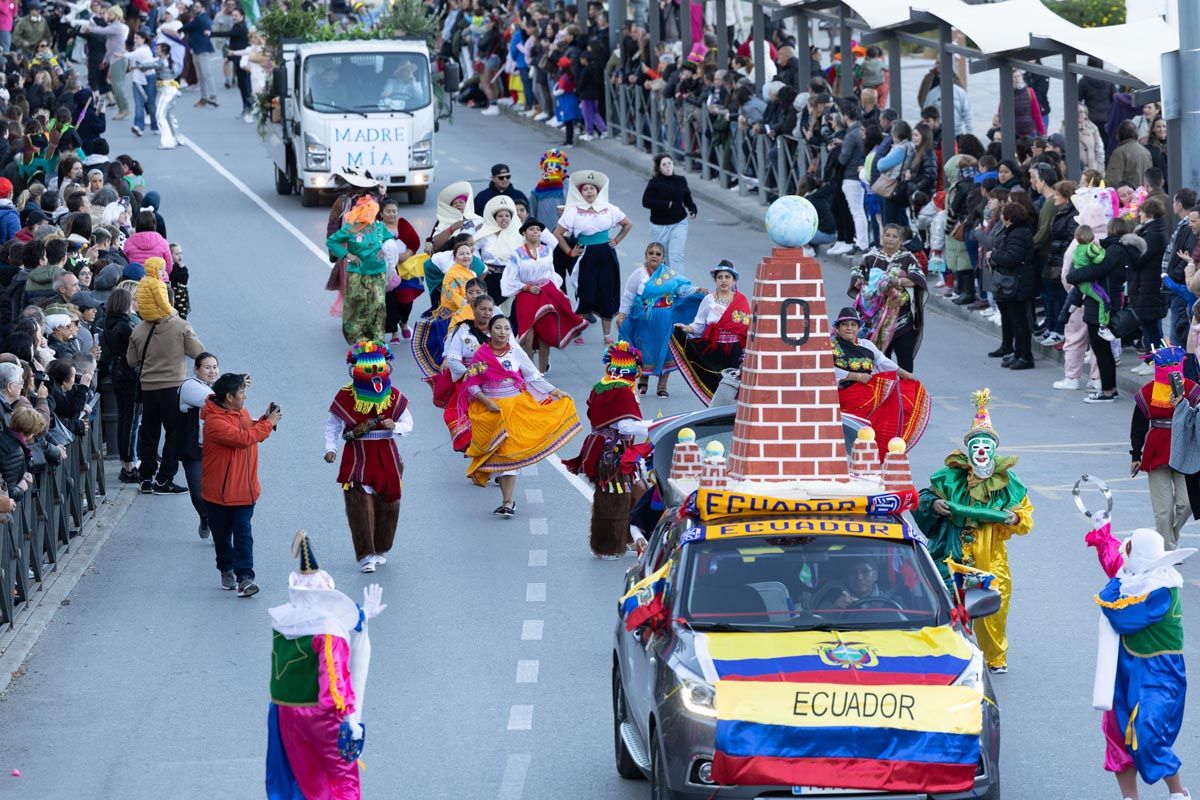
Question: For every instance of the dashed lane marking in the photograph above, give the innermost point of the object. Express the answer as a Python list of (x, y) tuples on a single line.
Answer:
[(534, 496), (512, 785), (535, 592), (531, 471), (527, 671), (520, 718), (537, 558), (531, 630), (538, 526), (308, 243)]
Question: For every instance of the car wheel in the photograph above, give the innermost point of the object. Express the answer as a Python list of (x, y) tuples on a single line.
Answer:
[(659, 788), (626, 766), (309, 197), (283, 184)]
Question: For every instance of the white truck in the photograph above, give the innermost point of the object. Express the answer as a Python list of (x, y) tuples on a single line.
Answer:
[(365, 104)]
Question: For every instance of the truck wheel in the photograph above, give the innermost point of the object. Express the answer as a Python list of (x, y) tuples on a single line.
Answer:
[(283, 184), (416, 197), (626, 767), (309, 197)]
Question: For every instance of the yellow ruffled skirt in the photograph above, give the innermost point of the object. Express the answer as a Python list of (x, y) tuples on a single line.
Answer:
[(523, 433)]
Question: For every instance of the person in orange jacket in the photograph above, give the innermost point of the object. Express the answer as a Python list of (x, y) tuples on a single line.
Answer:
[(229, 476)]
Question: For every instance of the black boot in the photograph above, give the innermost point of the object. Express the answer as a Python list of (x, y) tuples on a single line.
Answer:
[(1000, 351), (964, 284)]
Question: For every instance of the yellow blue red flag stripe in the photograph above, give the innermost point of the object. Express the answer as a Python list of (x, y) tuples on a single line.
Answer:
[(645, 599)]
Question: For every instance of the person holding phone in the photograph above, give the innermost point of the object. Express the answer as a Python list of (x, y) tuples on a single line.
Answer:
[(229, 483)]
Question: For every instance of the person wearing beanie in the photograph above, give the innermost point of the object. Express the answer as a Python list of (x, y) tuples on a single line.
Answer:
[(157, 348), (134, 271), (10, 220)]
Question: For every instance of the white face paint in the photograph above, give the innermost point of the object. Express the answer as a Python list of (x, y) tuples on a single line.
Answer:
[(981, 450)]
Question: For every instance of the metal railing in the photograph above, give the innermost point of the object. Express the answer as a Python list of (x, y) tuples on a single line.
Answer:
[(47, 519), (706, 145)]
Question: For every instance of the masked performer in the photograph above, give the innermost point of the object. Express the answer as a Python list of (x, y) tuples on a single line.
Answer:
[(320, 654), (714, 340), (609, 457), (369, 414), (972, 507), (1140, 675), (874, 388), (550, 192), (1150, 443)]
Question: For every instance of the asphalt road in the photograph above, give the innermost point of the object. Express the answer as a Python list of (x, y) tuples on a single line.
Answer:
[(491, 669)]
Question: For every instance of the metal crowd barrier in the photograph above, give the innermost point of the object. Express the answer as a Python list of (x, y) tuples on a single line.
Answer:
[(756, 163), (47, 519)]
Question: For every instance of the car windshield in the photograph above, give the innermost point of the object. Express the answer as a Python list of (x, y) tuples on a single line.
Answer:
[(810, 583), (366, 82)]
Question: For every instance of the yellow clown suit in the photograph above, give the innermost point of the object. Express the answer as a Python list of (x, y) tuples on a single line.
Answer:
[(972, 507)]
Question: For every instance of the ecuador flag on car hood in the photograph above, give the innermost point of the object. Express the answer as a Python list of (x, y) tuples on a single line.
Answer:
[(873, 710)]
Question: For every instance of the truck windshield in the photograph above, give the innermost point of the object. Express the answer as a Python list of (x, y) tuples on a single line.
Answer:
[(366, 82)]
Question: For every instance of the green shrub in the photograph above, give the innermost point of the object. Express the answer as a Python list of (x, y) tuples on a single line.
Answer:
[(1089, 13)]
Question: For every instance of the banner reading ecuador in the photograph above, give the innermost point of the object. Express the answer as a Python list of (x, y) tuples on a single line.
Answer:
[(717, 503), (814, 709)]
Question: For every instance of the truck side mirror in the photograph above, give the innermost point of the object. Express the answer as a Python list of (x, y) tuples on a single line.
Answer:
[(450, 75)]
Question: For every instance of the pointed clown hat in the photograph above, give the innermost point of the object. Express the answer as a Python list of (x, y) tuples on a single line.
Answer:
[(309, 574), (623, 360), (982, 424), (370, 376)]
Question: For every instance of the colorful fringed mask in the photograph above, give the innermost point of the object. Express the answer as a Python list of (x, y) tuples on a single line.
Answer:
[(623, 361), (1167, 361), (554, 166), (370, 376)]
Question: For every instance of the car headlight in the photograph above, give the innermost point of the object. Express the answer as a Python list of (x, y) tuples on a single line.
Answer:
[(972, 676), (698, 695), (316, 154), (422, 152)]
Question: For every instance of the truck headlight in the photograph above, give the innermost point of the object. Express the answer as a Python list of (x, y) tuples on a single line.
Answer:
[(422, 152), (698, 695), (316, 155)]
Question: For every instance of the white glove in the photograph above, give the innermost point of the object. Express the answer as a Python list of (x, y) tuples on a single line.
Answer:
[(356, 731), (372, 607)]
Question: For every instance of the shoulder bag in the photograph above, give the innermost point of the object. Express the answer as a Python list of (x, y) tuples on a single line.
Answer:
[(137, 372)]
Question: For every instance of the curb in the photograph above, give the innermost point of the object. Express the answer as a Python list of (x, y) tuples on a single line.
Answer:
[(747, 210), (17, 642)]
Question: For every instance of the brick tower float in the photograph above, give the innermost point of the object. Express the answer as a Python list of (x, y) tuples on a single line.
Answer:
[(788, 425)]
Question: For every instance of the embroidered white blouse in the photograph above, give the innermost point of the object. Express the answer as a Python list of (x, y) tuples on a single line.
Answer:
[(585, 221), (525, 269)]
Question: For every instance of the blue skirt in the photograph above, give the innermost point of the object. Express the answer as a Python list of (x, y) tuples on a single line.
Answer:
[(652, 335), (429, 343)]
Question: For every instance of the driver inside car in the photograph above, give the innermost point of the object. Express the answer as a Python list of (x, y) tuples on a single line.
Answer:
[(859, 581)]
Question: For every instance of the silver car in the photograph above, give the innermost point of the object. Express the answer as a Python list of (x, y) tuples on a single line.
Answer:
[(664, 719)]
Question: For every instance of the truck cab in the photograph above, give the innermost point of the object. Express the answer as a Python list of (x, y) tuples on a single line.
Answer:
[(363, 104)]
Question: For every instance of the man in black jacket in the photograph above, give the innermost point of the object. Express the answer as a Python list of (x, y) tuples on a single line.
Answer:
[(1182, 240), (501, 185)]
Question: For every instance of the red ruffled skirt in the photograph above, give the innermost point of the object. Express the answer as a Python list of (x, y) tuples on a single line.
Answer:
[(546, 316), (892, 406)]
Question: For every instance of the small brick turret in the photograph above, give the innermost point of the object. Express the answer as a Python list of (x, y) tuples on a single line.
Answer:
[(864, 458), (686, 457), (788, 425), (714, 472), (897, 474)]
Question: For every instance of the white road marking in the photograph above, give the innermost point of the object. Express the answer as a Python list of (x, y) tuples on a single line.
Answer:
[(574, 480), (312, 246), (520, 718), (534, 496), (531, 471), (531, 630), (512, 785), (535, 592), (538, 526), (527, 671), (537, 558)]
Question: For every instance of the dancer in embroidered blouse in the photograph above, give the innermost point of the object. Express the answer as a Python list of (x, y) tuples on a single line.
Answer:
[(429, 334), (890, 294), (461, 345), (402, 287), (590, 218), (518, 418), (541, 311), (368, 414), (656, 297), (714, 340), (873, 387), (609, 457), (497, 240), (360, 242), (455, 217)]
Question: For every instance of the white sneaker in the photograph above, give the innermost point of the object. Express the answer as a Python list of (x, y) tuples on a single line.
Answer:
[(1106, 334), (554, 123), (1052, 338), (491, 111), (506, 101), (1094, 383), (380, 559), (1184, 795), (542, 116), (530, 112), (587, 137), (366, 564), (1068, 384), (839, 248), (809, 252), (1143, 369), (248, 118)]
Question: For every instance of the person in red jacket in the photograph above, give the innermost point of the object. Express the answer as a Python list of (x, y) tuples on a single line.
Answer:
[(229, 476)]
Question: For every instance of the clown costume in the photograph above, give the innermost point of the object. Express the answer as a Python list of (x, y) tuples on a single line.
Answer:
[(369, 414)]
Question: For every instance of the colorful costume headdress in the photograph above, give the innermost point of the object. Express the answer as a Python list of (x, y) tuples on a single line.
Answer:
[(554, 164), (309, 575), (370, 376), (1167, 361), (982, 424), (623, 361), (364, 212)]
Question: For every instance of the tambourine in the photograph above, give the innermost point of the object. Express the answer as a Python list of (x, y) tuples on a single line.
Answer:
[(1096, 516)]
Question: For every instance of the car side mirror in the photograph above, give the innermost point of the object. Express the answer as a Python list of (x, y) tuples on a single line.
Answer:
[(980, 603)]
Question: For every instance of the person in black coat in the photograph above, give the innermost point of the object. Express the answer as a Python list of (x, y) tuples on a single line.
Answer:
[(119, 322), (1015, 282), (1145, 274), (671, 206), (15, 462), (91, 127), (1121, 249)]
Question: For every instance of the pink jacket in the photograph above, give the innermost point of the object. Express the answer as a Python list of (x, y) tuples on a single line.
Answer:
[(8, 11), (147, 244)]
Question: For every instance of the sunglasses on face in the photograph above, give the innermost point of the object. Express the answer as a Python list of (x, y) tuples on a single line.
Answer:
[(503, 177)]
